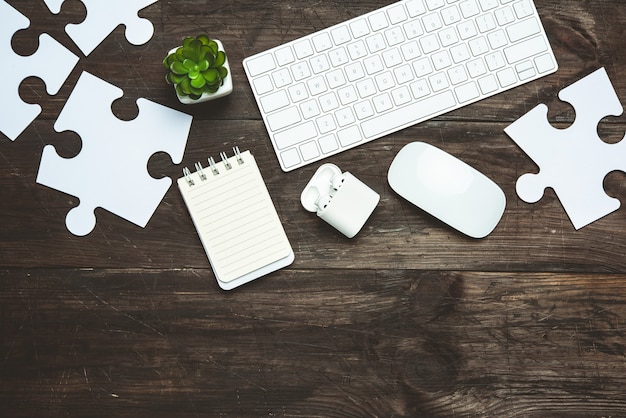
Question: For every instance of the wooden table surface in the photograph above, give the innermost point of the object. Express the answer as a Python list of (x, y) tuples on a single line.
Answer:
[(410, 318)]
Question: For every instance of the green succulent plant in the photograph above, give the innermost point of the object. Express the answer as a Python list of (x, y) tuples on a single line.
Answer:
[(196, 67)]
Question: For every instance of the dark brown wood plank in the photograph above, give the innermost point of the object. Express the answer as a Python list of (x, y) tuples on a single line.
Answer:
[(314, 343)]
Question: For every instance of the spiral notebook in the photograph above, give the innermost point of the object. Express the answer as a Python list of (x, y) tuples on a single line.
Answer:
[(235, 218)]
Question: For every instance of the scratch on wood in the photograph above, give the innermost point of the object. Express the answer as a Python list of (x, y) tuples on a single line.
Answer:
[(132, 318)]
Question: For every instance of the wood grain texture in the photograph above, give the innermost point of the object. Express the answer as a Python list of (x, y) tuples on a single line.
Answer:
[(312, 343), (408, 319)]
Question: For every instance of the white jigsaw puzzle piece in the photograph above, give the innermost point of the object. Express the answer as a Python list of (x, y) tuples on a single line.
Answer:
[(103, 17), (52, 62), (573, 161), (111, 169)]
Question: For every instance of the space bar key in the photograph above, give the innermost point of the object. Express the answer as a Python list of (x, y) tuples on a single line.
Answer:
[(408, 115)]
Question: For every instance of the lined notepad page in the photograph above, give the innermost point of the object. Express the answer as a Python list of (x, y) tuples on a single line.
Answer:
[(235, 218)]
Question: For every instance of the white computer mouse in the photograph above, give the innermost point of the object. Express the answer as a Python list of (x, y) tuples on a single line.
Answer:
[(447, 188)]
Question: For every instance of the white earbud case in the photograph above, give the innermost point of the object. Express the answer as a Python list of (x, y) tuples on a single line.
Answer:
[(340, 199)]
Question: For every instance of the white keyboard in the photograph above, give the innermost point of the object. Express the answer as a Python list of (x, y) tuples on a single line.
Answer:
[(391, 68)]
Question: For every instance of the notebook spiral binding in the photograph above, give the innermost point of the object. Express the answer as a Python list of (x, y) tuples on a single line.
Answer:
[(213, 165)]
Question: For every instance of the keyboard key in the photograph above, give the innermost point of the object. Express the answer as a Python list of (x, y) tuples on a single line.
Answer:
[(349, 136), (407, 115), (507, 77), (354, 71), (488, 84), (396, 14), (467, 92), (284, 56), (338, 57), (376, 43), (373, 64), (310, 109), (467, 29), (438, 82), (364, 110), (487, 5), (329, 102), (366, 88), (403, 74), (476, 68), (322, 42), (344, 117), (309, 151), (485, 23), (410, 51), (326, 124), (298, 92), (413, 29), (429, 43), (435, 4), (382, 103), (401, 96), (432, 22), (504, 16), (328, 144), (292, 136), (347, 95), (497, 39), (359, 28), (460, 53), (523, 8), (448, 37), (457, 75), (335, 78), (392, 57), (469, 8), (451, 15), (300, 70), (525, 49), (341, 35), (422, 67), (384, 81), (263, 84), (394, 36), (357, 50), (316, 85), (378, 21), (523, 29), (544, 63), (283, 118), (274, 101), (261, 64), (479, 46), (290, 158), (319, 64), (441, 60), (420, 89), (281, 77), (495, 61), (415, 7), (303, 49)]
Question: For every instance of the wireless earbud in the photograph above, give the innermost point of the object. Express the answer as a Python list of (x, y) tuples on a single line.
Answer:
[(340, 199), (337, 181), (322, 202)]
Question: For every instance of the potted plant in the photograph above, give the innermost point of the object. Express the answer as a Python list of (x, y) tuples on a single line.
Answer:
[(198, 70)]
